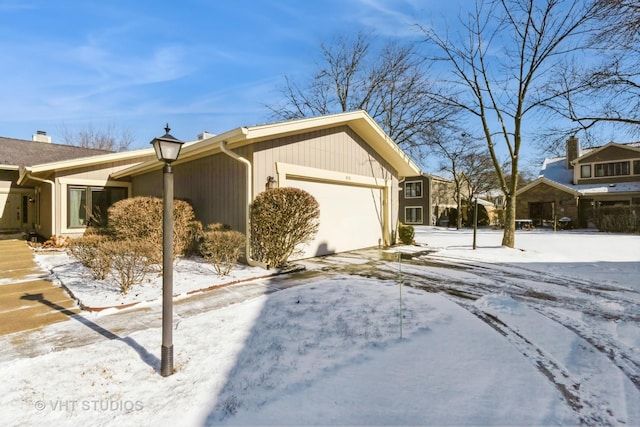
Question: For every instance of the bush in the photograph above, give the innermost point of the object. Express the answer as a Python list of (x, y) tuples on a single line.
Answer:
[(90, 251), (281, 220), (222, 247), (406, 234), (140, 218), (130, 261), (617, 219)]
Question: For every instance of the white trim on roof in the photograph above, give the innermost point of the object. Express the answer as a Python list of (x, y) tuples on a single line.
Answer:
[(359, 121), (543, 180)]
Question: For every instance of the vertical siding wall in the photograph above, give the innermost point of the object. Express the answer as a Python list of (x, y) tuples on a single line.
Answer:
[(337, 149), (213, 185)]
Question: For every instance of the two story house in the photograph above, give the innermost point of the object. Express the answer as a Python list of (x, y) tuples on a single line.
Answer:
[(426, 200), (574, 185)]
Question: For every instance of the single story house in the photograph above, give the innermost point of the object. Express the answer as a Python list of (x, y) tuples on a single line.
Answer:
[(20, 201), (346, 161), (573, 185)]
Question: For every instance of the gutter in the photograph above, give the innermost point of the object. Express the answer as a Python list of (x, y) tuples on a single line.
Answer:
[(248, 193), (53, 200)]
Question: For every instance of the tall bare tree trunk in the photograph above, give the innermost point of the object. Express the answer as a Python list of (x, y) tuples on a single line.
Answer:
[(509, 235)]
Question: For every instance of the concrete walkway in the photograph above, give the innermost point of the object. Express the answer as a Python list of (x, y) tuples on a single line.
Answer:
[(26, 300)]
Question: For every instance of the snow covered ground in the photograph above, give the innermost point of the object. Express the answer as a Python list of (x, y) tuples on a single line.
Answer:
[(545, 334)]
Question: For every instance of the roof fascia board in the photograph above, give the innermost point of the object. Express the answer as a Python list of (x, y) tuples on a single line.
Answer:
[(543, 180), (90, 161), (191, 150)]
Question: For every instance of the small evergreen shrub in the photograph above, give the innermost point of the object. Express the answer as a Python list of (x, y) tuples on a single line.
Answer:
[(222, 247), (282, 219), (140, 218), (406, 234), (90, 251)]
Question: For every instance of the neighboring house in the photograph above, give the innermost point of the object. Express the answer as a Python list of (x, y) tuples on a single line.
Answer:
[(20, 202), (426, 200), (573, 185)]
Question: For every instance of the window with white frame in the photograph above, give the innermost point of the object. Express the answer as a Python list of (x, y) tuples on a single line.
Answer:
[(412, 189), (88, 205), (585, 171), (413, 215)]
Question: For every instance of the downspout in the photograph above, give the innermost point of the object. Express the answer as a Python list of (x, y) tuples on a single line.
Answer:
[(249, 199), (53, 201)]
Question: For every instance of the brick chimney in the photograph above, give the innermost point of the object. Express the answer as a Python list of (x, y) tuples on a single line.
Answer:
[(573, 150), (41, 136)]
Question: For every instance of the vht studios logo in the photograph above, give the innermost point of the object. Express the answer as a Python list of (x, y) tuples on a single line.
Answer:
[(103, 405)]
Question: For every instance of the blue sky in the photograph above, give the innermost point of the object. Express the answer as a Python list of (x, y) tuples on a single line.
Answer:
[(197, 64)]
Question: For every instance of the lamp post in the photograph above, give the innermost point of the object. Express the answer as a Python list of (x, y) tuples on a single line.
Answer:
[(167, 149)]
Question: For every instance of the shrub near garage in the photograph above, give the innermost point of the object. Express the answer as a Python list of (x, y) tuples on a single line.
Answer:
[(222, 247), (282, 219)]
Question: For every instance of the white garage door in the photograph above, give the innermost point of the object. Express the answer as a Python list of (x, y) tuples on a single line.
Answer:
[(350, 216)]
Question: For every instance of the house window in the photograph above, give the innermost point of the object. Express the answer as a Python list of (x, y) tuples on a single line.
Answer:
[(412, 189), (585, 171), (413, 215), (636, 167), (612, 169), (88, 205)]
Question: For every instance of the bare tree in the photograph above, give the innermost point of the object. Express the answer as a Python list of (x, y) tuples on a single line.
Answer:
[(109, 138), (609, 90), (469, 165), (501, 63), (390, 83)]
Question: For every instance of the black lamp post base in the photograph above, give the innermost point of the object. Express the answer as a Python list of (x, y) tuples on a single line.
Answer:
[(166, 363)]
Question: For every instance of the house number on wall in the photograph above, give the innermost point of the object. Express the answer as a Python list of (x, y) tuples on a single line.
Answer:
[(347, 177)]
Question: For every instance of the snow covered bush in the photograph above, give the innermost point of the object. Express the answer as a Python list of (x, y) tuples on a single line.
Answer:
[(222, 247), (90, 251), (282, 219), (140, 218)]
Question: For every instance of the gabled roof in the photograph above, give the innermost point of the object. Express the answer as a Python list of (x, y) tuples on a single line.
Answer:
[(634, 147), (85, 161), (359, 121), (555, 173), (543, 180), (21, 153)]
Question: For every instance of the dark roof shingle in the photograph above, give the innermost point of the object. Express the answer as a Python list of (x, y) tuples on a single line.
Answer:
[(20, 152)]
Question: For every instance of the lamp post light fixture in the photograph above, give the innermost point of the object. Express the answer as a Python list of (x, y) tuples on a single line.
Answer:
[(167, 149)]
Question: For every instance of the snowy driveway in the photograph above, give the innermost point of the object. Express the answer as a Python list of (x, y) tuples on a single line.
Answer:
[(535, 335)]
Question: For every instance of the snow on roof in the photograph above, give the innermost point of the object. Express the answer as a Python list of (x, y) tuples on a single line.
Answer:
[(555, 169)]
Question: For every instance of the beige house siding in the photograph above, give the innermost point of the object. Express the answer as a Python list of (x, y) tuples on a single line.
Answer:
[(214, 185), (337, 149)]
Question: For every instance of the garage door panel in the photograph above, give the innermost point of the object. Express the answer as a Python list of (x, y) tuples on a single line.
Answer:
[(350, 216)]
